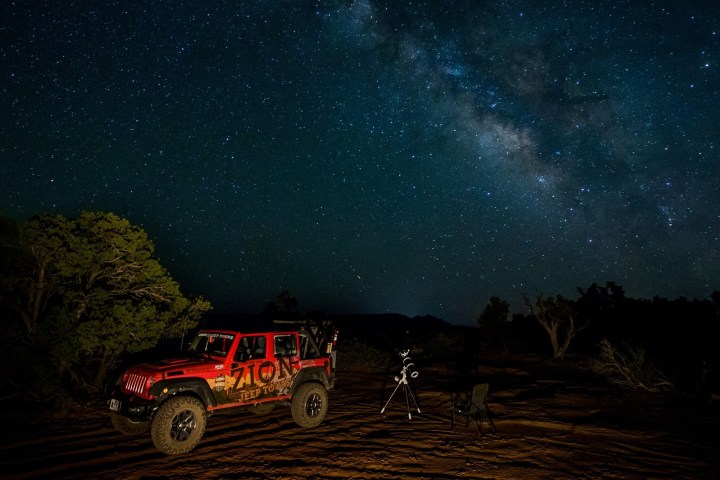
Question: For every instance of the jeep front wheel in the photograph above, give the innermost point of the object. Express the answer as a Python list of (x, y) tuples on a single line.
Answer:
[(309, 405), (178, 425), (128, 427)]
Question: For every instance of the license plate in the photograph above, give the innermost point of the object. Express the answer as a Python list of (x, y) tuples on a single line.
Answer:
[(115, 405)]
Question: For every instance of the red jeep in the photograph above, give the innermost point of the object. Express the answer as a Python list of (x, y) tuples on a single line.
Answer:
[(250, 370)]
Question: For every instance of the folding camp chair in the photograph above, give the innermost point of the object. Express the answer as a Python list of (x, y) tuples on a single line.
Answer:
[(472, 406)]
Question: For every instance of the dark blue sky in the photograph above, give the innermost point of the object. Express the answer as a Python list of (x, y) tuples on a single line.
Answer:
[(368, 156)]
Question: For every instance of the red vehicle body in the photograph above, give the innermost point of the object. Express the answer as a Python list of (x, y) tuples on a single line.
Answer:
[(224, 369)]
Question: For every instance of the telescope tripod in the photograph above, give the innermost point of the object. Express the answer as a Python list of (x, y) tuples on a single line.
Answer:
[(402, 380)]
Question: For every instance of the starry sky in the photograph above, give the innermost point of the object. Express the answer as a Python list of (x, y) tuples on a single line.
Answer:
[(377, 156)]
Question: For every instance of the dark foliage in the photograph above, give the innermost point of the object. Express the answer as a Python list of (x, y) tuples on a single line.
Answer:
[(679, 336)]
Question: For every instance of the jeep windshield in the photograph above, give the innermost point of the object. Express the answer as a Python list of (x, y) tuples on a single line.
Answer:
[(212, 343)]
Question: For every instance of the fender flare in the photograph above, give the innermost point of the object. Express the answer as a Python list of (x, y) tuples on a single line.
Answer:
[(311, 374), (194, 386)]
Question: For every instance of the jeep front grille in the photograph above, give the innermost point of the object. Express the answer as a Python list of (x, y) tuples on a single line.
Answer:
[(135, 384)]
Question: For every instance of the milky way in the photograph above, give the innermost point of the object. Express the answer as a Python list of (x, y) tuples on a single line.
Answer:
[(412, 157)]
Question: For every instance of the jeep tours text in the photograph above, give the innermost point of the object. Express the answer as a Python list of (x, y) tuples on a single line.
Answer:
[(224, 369)]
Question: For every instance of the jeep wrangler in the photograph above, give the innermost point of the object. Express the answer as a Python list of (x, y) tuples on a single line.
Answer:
[(227, 369)]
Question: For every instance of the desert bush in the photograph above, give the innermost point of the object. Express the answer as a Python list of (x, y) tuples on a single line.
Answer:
[(357, 355), (629, 367), (436, 346)]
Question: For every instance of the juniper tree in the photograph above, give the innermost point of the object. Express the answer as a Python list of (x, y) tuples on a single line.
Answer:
[(93, 290)]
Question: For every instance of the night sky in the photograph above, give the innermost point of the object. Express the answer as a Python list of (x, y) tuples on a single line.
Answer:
[(377, 156)]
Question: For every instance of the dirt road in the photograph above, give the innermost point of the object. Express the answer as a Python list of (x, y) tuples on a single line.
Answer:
[(549, 426)]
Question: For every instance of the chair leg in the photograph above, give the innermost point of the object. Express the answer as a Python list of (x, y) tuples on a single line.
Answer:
[(490, 420), (452, 421), (487, 414)]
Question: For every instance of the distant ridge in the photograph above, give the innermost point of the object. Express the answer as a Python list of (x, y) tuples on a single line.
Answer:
[(392, 326)]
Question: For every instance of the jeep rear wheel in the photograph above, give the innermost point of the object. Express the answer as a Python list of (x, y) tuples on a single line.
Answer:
[(178, 425), (128, 427), (309, 405)]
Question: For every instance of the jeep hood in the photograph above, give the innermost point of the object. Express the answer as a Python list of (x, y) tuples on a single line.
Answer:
[(176, 367)]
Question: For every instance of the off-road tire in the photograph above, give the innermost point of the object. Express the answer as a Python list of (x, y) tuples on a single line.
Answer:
[(309, 404), (128, 427), (178, 425)]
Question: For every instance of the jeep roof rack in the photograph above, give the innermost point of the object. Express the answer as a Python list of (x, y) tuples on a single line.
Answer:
[(255, 322)]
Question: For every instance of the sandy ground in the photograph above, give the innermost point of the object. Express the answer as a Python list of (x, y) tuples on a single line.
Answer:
[(551, 424)]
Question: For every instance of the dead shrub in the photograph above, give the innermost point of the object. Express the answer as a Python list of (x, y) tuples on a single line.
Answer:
[(628, 367)]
